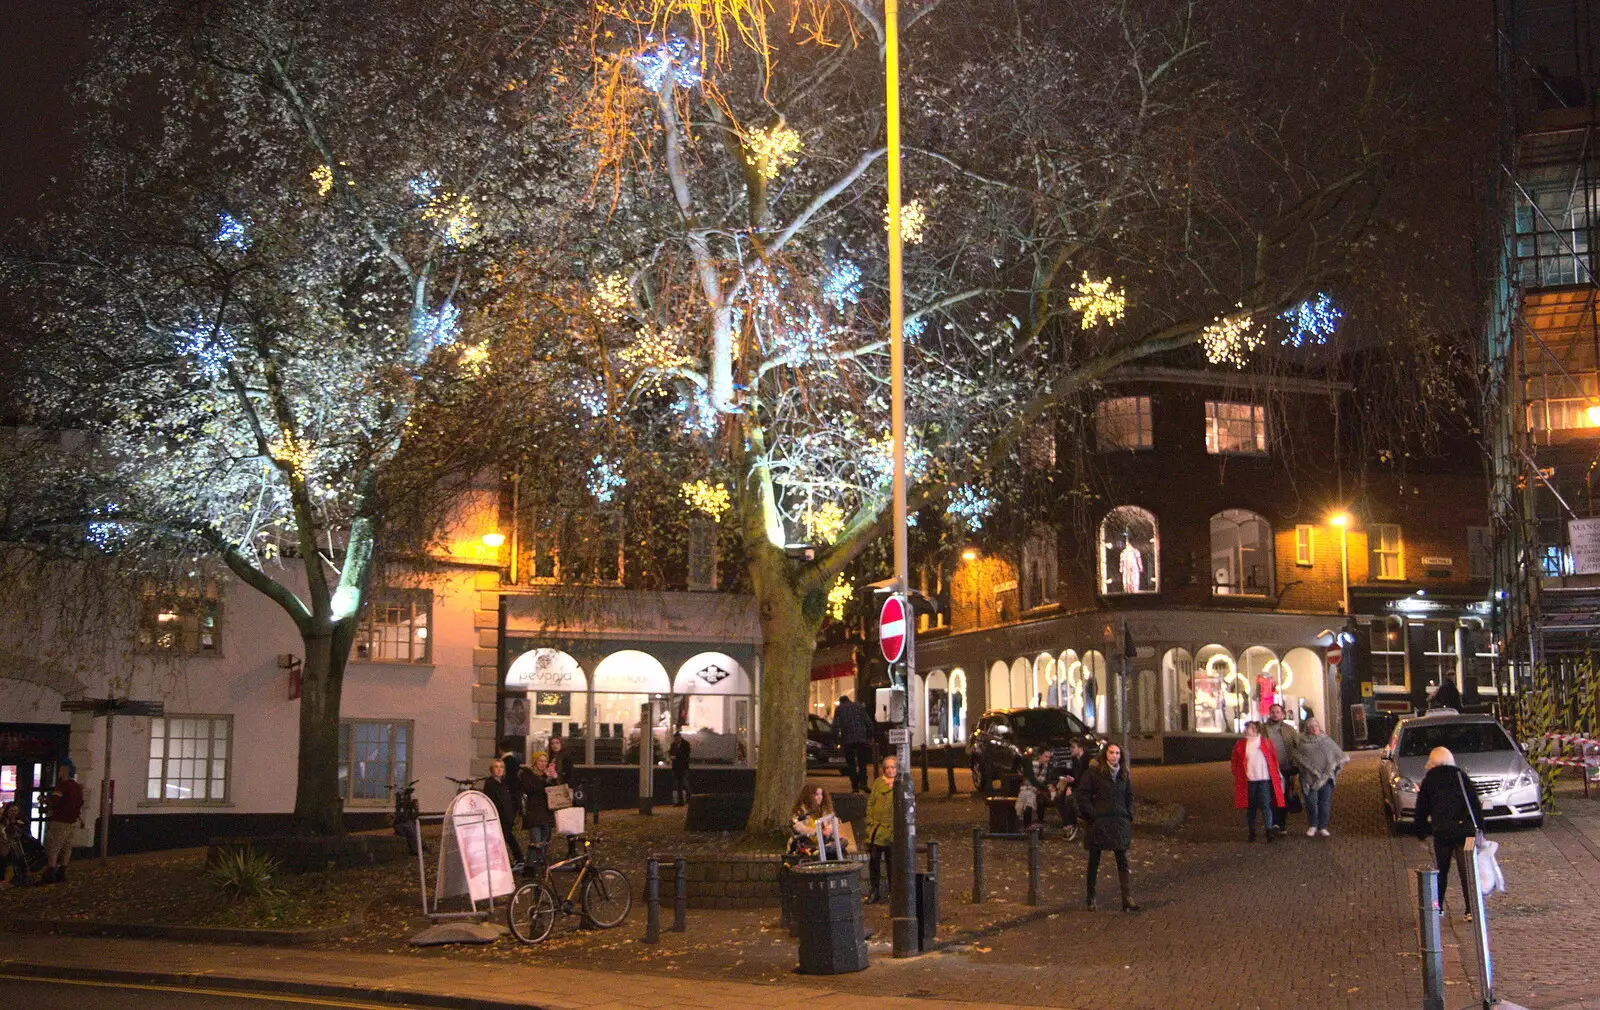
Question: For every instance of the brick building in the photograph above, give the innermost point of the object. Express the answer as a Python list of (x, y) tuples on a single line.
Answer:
[(1232, 542)]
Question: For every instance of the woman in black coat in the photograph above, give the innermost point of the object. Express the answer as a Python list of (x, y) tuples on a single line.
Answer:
[(1448, 808), (1105, 797)]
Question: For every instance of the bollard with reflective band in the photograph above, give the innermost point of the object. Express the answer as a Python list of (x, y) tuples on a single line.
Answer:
[(1432, 947), (977, 866), (652, 898), (680, 896), (1033, 864)]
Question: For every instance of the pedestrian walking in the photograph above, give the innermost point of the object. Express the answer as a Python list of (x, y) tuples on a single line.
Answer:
[(1257, 786), (1448, 808), (537, 817), (63, 817), (880, 825), (499, 794), (679, 752), (1105, 797), (854, 726), (1285, 738), (1319, 759)]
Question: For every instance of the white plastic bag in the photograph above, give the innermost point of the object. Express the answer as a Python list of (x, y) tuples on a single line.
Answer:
[(1490, 878), (569, 821)]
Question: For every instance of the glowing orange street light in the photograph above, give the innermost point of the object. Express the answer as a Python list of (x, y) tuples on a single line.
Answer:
[(493, 539)]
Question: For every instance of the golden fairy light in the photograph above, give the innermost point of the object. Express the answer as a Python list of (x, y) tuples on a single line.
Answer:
[(611, 297), (322, 178), (290, 452), (475, 357), (1098, 300), (839, 594), (657, 350), (1230, 340), (703, 496), (773, 149), (454, 216), (824, 524)]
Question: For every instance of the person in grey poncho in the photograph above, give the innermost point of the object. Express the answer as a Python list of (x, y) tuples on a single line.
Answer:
[(1319, 760)]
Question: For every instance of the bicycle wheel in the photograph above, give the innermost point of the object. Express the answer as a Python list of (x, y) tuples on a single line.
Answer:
[(606, 898), (531, 913)]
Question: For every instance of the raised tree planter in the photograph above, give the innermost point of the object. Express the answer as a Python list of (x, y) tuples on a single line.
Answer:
[(735, 880), (314, 853)]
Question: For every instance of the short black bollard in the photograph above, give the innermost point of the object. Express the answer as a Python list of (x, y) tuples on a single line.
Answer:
[(1432, 947), (950, 772), (977, 866), (1033, 864), (680, 896), (652, 898), (933, 860)]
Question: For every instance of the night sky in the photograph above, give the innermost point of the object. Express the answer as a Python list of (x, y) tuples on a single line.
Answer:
[(40, 46)]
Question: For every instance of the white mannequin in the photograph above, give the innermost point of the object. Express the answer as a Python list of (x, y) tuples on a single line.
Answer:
[(1131, 564)]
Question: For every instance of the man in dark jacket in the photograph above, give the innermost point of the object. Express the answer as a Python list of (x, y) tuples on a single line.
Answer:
[(63, 810), (1106, 798), (854, 726), (499, 794)]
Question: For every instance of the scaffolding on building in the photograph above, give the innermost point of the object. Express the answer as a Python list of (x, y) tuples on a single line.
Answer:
[(1542, 396)]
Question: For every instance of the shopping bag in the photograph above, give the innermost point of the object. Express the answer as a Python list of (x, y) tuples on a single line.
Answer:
[(558, 797), (1490, 878), (569, 821)]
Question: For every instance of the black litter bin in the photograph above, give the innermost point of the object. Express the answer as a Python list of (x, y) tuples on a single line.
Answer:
[(927, 909), (1003, 815), (827, 905)]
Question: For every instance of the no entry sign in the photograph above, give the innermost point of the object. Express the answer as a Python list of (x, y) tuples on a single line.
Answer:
[(892, 629), (1334, 655)]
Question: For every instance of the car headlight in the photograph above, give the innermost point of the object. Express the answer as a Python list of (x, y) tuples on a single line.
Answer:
[(1528, 778), (1404, 784)]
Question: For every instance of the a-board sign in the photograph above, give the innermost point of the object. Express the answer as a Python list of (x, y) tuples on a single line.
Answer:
[(472, 850)]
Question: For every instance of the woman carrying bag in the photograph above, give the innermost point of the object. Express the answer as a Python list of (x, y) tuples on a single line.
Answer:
[(1448, 808)]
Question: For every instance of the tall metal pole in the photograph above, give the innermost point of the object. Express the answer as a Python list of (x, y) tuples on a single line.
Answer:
[(1344, 564), (105, 794), (902, 900)]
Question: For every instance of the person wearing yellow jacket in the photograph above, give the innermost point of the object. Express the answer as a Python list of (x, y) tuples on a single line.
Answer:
[(880, 823)]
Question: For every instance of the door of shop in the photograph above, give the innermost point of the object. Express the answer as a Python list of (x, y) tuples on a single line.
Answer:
[(29, 753)]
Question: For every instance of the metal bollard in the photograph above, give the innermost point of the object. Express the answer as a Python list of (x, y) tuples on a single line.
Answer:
[(1432, 947), (652, 898), (950, 772), (933, 860), (680, 897), (977, 866), (1033, 865)]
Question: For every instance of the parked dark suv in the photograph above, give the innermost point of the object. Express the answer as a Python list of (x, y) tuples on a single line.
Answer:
[(1004, 739), (822, 745)]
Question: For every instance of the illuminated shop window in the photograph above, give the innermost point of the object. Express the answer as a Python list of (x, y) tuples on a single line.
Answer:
[(1130, 552), (1236, 428), (1123, 422)]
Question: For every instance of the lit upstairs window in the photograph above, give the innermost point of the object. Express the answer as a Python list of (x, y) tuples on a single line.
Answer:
[(1123, 422), (1236, 428)]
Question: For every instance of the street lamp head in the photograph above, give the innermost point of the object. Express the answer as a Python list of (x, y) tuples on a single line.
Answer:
[(970, 554), (493, 539), (1594, 414), (1339, 519)]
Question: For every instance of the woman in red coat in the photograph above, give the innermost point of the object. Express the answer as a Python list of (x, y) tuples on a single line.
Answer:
[(1257, 783)]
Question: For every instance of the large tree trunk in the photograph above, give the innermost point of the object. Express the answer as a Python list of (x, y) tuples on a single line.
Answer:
[(318, 809), (789, 622)]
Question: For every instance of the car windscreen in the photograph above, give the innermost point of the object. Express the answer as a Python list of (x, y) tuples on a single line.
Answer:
[(1460, 737), (820, 725), (1038, 725)]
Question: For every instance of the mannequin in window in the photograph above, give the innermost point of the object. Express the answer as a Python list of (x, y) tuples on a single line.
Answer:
[(1131, 564)]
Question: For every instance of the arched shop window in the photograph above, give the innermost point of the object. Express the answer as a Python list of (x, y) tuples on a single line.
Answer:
[(1021, 683), (711, 707), (1177, 677), (1130, 552), (556, 694), (1044, 678), (1070, 670), (1094, 690), (958, 705), (1221, 694), (1262, 672), (938, 708), (998, 694), (1303, 686), (1241, 554), (623, 682)]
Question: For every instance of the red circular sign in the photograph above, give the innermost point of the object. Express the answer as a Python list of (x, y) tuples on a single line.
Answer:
[(892, 629), (1335, 654)]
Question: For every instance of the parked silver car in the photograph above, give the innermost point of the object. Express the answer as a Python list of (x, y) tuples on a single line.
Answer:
[(1506, 785)]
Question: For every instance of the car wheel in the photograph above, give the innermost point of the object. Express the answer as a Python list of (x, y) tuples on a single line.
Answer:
[(980, 783)]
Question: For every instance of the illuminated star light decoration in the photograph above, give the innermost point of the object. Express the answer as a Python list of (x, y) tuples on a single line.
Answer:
[(106, 536), (971, 506), (1098, 300), (773, 149), (913, 220), (441, 328), (605, 479), (1312, 321), (914, 327), (1230, 340), (842, 286), (839, 594), (675, 58), (232, 231), (475, 358), (703, 496), (211, 347), (880, 458), (824, 524)]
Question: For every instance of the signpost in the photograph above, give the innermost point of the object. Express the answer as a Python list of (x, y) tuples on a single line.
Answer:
[(110, 708)]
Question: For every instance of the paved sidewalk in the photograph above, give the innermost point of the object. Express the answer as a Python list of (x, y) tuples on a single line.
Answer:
[(397, 978)]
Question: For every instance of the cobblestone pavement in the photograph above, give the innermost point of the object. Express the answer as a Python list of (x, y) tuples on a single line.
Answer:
[(1303, 922)]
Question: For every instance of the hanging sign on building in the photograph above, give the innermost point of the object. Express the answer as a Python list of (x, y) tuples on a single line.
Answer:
[(1584, 535)]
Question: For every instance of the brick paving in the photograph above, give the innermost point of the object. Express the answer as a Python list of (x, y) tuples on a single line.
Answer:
[(1300, 923)]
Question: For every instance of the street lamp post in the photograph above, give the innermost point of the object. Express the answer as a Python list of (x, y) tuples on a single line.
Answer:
[(1342, 521)]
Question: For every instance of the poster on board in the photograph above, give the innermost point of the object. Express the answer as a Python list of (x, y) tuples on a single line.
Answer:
[(1584, 535), (472, 857)]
